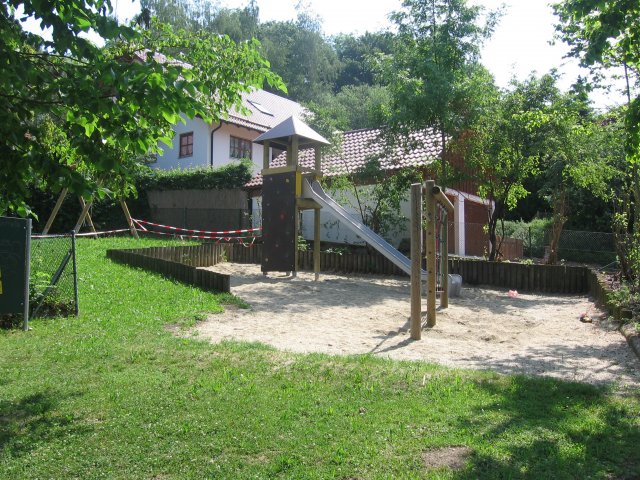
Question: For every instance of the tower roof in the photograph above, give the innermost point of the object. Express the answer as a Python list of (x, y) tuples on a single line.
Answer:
[(280, 134)]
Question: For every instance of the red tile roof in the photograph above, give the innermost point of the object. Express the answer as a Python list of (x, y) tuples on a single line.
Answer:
[(360, 146)]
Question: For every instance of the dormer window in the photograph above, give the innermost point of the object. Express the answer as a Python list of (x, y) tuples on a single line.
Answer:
[(261, 107)]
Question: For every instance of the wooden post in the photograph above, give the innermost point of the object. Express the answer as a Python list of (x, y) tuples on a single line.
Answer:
[(444, 267), (416, 257), (54, 212), (127, 215), (85, 215), (318, 160), (294, 150), (265, 154), (439, 196), (316, 243), (430, 249)]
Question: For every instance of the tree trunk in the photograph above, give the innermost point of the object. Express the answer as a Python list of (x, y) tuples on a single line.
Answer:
[(493, 224), (559, 200)]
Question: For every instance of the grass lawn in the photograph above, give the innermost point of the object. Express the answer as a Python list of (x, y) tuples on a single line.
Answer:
[(114, 394)]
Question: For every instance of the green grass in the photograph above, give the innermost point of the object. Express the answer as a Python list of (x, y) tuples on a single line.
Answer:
[(114, 394)]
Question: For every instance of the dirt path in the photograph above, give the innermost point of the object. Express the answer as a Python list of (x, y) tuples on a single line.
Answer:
[(482, 329)]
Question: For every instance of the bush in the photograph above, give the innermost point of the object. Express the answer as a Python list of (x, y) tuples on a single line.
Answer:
[(233, 175), (532, 234)]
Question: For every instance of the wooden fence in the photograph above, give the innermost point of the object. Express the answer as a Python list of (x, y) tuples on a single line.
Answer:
[(515, 276), (179, 263), (518, 276), (329, 262), (511, 248)]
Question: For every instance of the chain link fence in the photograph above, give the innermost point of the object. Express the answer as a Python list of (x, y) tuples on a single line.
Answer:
[(596, 248), (53, 279)]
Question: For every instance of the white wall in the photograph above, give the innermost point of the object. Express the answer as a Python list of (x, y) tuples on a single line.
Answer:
[(222, 141), (170, 157), (331, 230)]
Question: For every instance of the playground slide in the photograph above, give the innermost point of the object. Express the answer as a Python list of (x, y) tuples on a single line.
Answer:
[(313, 189)]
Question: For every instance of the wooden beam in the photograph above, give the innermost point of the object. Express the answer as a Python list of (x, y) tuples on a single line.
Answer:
[(54, 212), (85, 211), (416, 257), (444, 264), (87, 215), (127, 215), (265, 155), (316, 243), (430, 248), (307, 204), (318, 160), (442, 199)]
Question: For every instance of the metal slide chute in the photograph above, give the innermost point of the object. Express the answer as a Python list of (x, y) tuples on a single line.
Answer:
[(312, 189)]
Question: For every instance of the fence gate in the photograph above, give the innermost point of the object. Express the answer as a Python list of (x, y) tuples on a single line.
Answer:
[(54, 280), (15, 234)]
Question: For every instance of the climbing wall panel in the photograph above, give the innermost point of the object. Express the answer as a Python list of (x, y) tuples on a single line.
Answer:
[(279, 222)]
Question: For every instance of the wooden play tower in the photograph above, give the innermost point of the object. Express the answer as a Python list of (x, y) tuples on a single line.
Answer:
[(282, 198)]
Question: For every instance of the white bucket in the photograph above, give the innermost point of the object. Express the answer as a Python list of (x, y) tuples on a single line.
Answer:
[(455, 284)]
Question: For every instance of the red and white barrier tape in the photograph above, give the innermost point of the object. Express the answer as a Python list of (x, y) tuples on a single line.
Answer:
[(205, 237), (224, 232)]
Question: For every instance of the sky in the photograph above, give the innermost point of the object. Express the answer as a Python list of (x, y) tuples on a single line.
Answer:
[(520, 44)]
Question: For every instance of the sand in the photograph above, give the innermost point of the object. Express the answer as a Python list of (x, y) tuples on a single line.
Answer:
[(482, 329)]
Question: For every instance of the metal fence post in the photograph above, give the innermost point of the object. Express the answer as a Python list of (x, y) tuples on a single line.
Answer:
[(75, 272), (27, 266)]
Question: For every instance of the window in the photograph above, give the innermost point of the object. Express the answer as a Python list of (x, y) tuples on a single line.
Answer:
[(186, 144), (240, 148)]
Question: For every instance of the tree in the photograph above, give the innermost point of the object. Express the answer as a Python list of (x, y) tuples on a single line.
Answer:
[(352, 108), (300, 54), (355, 55), (605, 34), (435, 54), (376, 194), (110, 103), (500, 148)]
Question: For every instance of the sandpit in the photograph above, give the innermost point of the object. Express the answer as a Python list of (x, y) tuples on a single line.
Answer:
[(482, 329)]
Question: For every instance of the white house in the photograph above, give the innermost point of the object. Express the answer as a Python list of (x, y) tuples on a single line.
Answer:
[(199, 144)]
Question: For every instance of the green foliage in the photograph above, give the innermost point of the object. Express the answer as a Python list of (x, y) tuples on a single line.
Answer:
[(230, 176), (352, 108), (298, 51), (376, 194), (113, 103), (500, 152), (356, 55), (628, 247), (435, 56), (605, 34), (532, 234)]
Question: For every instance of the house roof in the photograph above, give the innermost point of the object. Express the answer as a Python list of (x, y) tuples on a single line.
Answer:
[(266, 110), (360, 146)]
